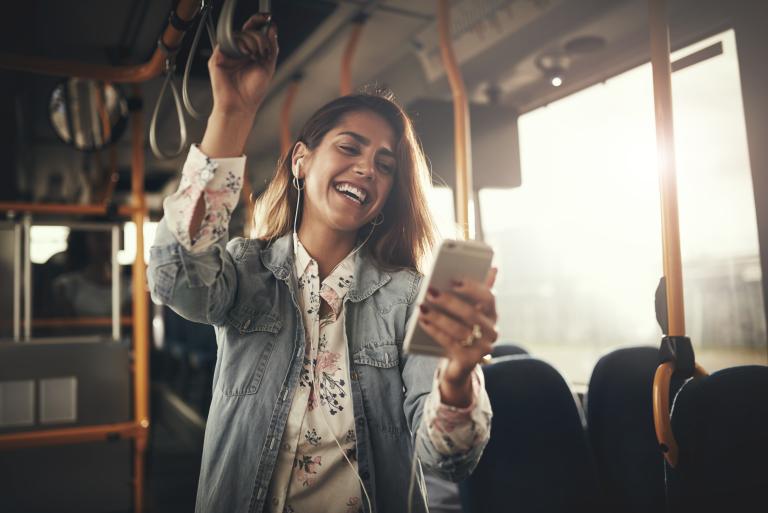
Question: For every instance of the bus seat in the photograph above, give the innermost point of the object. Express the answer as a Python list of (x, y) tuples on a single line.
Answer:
[(538, 458), (507, 349), (620, 424), (720, 423)]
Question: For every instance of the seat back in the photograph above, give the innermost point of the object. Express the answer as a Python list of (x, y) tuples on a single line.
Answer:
[(538, 458), (720, 423), (620, 425), (506, 349)]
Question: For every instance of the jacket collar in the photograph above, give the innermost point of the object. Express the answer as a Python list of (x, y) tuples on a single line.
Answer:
[(278, 258)]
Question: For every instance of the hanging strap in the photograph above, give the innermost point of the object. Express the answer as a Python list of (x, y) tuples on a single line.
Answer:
[(205, 24), (170, 67)]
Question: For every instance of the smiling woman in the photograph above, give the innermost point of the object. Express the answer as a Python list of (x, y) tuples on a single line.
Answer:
[(311, 311)]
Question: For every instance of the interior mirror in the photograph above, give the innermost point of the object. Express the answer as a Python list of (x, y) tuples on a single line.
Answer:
[(88, 114)]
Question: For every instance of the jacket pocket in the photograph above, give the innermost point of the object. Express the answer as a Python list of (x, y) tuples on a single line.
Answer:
[(165, 280), (246, 352), (383, 356)]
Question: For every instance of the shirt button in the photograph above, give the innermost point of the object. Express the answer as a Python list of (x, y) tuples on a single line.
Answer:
[(206, 175)]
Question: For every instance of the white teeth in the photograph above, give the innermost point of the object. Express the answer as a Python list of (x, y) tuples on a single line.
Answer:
[(357, 193)]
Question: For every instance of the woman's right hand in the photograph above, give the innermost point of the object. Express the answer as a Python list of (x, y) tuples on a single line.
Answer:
[(240, 85)]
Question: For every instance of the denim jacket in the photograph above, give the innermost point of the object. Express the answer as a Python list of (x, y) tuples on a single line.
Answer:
[(247, 289)]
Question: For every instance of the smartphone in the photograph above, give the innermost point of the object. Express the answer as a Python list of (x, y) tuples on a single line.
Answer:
[(455, 260)]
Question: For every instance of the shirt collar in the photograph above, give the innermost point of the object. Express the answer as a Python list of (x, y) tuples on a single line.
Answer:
[(339, 280)]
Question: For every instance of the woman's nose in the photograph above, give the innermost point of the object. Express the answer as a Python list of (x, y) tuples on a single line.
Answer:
[(364, 169)]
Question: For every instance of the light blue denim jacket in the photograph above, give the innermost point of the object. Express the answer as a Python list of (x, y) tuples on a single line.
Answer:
[(247, 290)]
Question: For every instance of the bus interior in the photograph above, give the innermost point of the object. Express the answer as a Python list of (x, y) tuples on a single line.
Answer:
[(631, 373)]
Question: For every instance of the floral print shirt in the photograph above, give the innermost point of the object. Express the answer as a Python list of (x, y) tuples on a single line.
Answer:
[(317, 462)]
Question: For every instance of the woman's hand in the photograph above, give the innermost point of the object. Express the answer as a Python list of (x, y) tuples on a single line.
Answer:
[(463, 321), (240, 85)]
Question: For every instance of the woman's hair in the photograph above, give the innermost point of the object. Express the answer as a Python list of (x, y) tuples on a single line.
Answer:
[(405, 237)]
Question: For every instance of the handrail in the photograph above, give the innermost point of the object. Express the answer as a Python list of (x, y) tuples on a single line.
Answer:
[(349, 52), (662, 421), (171, 38), (285, 117), (64, 208), (461, 127), (665, 144), (72, 435), (140, 304), (673, 272)]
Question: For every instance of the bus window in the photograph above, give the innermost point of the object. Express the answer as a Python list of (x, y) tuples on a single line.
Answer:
[(580, 241)]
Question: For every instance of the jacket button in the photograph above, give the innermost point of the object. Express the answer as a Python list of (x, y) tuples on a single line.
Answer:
[(353, 375), (246, 324)]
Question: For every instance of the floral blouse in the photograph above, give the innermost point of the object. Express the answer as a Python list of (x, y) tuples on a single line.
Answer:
[(317, 463)]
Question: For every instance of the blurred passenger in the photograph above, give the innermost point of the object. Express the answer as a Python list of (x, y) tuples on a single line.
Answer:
[(86, 289)]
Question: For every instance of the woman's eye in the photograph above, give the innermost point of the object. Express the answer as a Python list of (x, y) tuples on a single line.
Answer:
[(386, 168), (348, 149)]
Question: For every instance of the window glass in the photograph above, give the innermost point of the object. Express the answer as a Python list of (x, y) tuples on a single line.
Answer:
[(579, 243)]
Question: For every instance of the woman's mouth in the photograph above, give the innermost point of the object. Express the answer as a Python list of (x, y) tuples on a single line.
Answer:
[(352, 192)]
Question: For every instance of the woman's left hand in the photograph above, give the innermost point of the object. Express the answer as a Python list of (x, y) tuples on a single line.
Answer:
[(463, 321)]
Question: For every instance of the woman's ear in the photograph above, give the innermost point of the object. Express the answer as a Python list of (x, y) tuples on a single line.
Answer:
[(298, 155)]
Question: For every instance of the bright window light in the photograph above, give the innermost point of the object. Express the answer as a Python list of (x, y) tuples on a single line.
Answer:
[(46, 241), (127, 255), (579, 244), (440, 201)]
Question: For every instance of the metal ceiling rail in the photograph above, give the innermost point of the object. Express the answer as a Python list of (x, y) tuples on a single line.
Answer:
[(171, 38), (461, 128)]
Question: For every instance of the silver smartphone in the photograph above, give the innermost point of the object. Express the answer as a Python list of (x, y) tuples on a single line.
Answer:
[(455, 260)]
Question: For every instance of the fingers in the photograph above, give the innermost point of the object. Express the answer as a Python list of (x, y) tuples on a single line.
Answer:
[(491, 278), (458, 330), (452, 345)]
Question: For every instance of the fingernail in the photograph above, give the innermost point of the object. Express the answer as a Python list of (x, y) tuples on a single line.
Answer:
[(432, 292), (457, 283), (424, 309)]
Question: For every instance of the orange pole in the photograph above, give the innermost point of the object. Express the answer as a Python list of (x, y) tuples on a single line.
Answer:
[(140, 306), (186, 10), (665, 149), (285, 117), (68, 435), (461, 128), (62, 208), (349, 53)]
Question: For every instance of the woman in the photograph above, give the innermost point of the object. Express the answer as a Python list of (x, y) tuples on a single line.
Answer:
[(315, 407)]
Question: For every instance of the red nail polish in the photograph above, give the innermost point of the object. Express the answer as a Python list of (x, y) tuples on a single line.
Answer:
[(433, 292), (424, 309), (457, 283)]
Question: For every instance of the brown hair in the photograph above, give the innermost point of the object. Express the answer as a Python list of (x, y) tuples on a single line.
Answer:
[(405, 237)]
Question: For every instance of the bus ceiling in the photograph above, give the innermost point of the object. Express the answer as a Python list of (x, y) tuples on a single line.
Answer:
[(516, 55)]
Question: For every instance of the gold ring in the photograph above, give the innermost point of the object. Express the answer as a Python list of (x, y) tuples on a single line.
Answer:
[(476, 334)]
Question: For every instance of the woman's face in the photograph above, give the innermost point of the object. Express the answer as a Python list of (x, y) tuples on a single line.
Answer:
[(348, 176)]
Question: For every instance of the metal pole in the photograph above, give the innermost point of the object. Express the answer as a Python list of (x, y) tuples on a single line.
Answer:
[(461, 128), (115, 284), (17, 282), (140, 307), (665, 144), (27, 279)]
